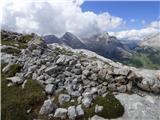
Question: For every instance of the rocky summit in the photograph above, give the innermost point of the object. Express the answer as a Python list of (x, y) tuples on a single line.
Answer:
[(75, 84)]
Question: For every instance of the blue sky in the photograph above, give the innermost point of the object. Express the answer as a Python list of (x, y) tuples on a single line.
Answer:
[(138, 11)]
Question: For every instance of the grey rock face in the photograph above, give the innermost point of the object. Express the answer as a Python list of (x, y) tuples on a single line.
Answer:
[(149, 81), (96, 117), (139, 108), (60, 113), (72, 114), (47, 107), (63, 98)]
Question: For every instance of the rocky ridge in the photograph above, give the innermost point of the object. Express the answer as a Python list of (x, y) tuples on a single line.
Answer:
[(79, 78)]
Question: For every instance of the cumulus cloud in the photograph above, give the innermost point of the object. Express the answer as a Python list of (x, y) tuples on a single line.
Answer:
[(155, 24), (55, 17), (134, 34)]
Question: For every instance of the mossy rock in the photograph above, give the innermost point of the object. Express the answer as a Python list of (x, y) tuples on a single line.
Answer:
[(13, 70), (13, 51), (112, 108)]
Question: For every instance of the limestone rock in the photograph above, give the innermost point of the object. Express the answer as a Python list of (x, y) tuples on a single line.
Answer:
[(49, 89), (47, 107), (98, 108), (15, 80), (60, 113), (79, 110), (72, 114), (63, 98), (137, 107)]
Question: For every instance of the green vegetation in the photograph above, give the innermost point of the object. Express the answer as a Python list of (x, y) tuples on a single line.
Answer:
[(12, 51), (144, 60), (112, 108), (15, 101), (13, 70), (20, 42), (25, 38)]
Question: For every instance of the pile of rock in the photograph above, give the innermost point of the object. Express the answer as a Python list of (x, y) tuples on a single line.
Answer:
[(79, 76)]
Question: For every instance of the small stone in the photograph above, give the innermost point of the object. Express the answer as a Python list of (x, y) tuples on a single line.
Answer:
[(60, 113), (86, 101), (98, 108), (129, 86), (93, 77), (79, 99), (122, 88), (112, 87), (94, 90), (49, 88), (77, 71), (63, 98), (72, 114), (51, 70), (15, 80), (86, 72), (79, 110), (47, 107)]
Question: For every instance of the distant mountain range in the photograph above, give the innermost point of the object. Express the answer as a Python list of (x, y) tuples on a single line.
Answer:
[(140, 53), (152, 41)]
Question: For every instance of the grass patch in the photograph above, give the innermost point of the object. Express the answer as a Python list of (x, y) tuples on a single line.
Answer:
[(148, 61), (18, 41), (12, 51), (68, 104), (25, 38), (16, 101), (13, 70)]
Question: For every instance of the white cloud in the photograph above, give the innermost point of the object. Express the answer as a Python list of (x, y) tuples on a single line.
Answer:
[(133, 34), (155, 24), (132, 20), (55, 17)]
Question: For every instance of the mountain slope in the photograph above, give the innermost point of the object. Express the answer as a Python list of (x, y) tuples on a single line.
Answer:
[(88, 83), (72, 41), (51, 39), (152, 41)]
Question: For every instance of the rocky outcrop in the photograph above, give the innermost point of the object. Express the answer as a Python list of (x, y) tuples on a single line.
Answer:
[(83, 77), (140, 108)]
